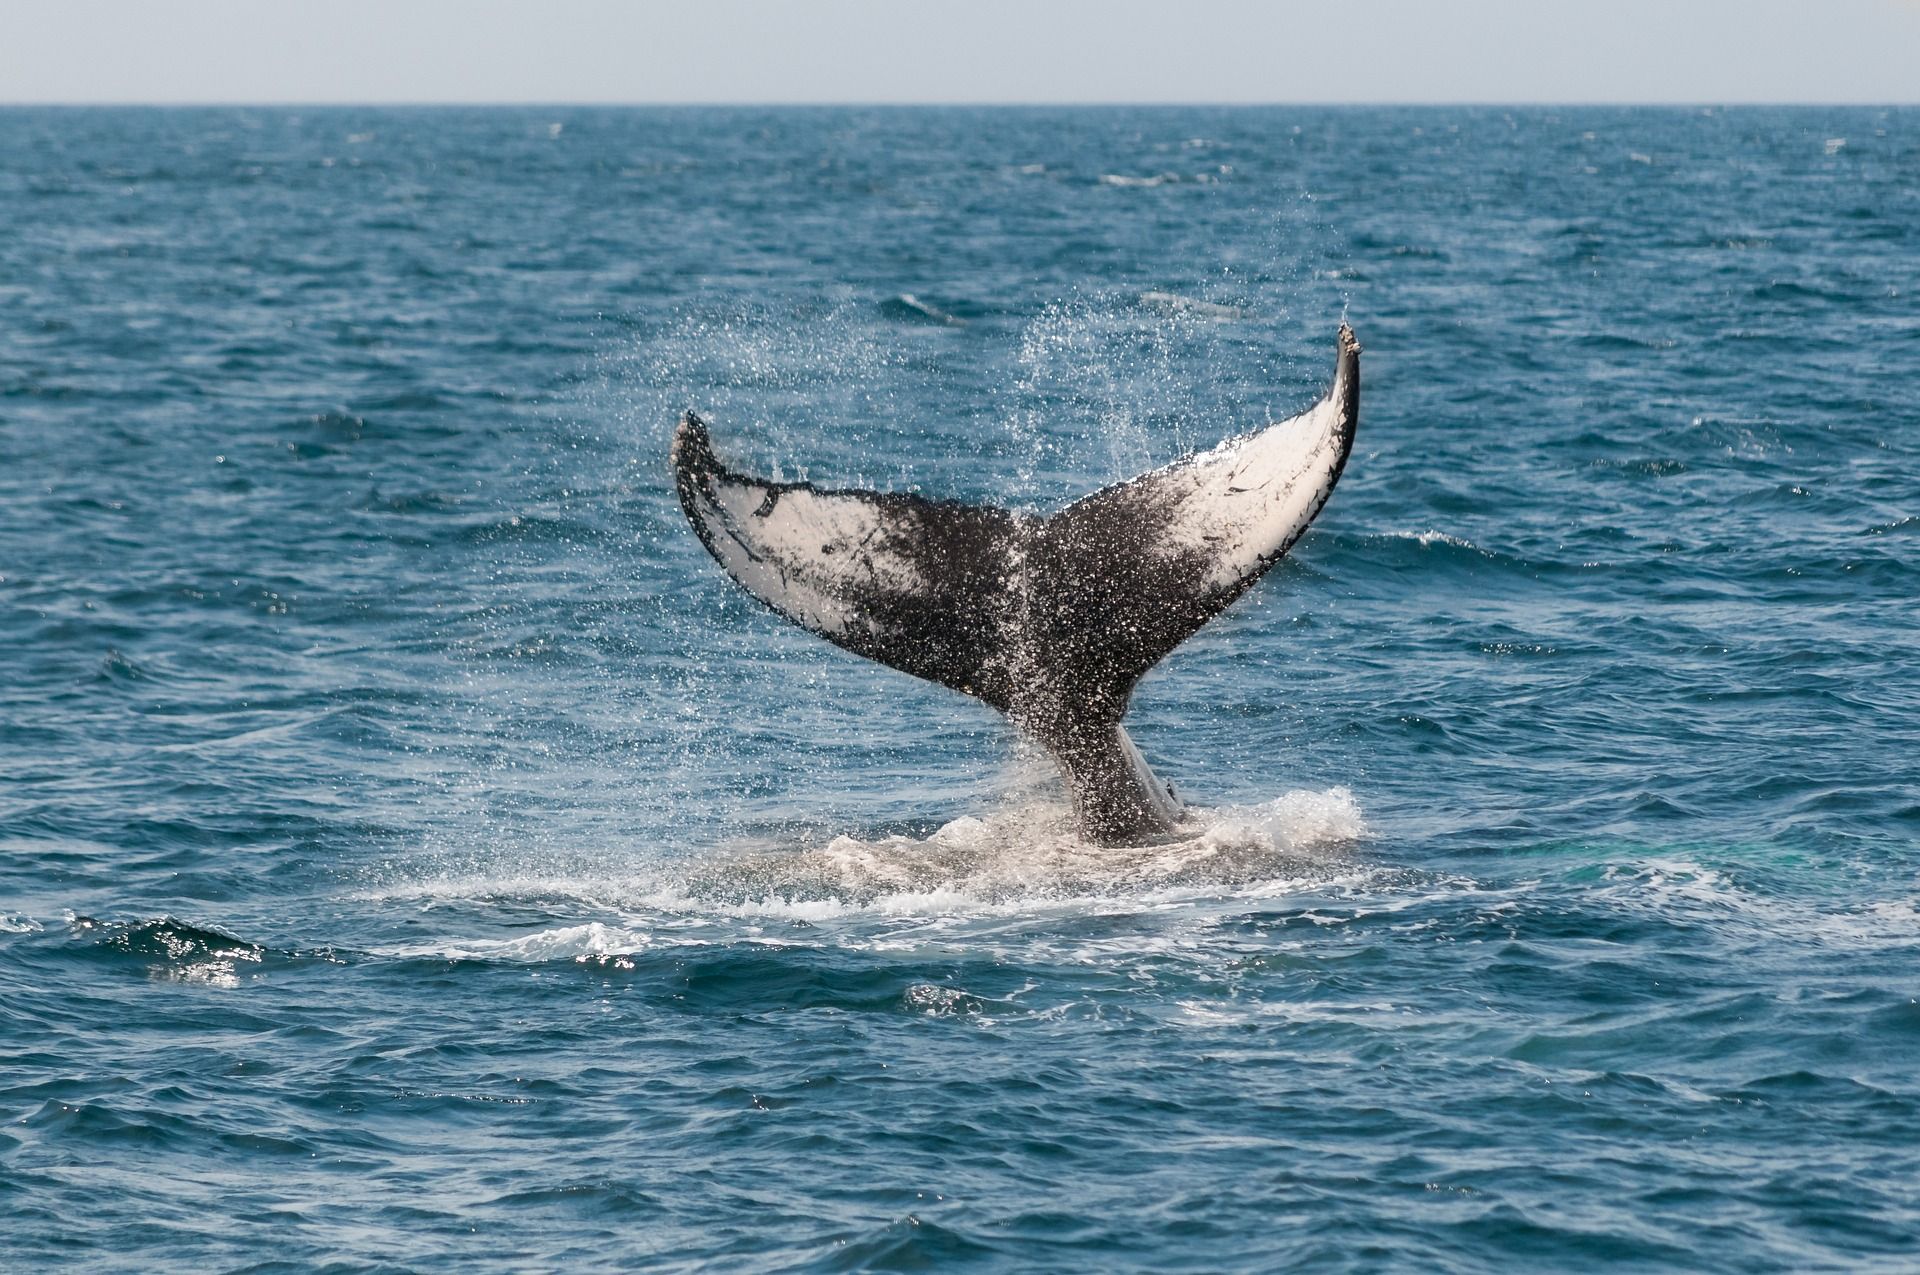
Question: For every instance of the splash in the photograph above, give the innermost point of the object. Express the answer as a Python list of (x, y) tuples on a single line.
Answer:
[(1123, 376), (1023, 860), (1031, 856)]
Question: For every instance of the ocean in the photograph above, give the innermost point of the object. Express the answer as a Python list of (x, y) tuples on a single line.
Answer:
[(415, 854)]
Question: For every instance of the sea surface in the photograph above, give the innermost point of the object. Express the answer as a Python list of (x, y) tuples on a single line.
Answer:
[(415, 855)]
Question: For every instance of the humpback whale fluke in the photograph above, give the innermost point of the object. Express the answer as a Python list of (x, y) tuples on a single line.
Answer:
[(1051, 620)]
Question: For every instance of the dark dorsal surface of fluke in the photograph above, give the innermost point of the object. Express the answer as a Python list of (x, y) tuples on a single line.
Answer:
[(1052, 620)]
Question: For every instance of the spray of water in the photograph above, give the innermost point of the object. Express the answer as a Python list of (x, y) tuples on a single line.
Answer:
[(675, 710)]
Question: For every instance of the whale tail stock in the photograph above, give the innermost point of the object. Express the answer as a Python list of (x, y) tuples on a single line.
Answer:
[(1052, 620)]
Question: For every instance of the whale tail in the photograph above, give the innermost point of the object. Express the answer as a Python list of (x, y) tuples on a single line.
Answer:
[(1052, 620)]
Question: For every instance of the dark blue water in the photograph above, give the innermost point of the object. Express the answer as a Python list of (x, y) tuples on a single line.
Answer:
[(414, 854)]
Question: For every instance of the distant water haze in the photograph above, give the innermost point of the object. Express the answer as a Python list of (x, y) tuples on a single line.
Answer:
[(1005, 51)]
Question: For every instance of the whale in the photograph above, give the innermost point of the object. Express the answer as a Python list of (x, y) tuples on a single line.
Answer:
[(1052, 619)]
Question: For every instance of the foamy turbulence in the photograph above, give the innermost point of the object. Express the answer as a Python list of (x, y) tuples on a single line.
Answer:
[(1014, 862)]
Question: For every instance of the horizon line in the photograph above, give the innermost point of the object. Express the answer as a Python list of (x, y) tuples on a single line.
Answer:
[(946, 104)]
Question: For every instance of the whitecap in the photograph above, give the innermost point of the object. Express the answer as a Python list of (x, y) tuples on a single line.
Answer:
[(908, 306), (1432, 536), (594, 941)]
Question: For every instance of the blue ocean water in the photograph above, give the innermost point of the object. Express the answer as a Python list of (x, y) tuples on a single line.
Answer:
[(415, 855)]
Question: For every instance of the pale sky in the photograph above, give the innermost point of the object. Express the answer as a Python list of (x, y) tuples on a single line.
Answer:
[(644, 51)]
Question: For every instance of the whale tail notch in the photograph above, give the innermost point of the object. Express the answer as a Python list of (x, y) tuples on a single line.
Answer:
[(1052, 620)]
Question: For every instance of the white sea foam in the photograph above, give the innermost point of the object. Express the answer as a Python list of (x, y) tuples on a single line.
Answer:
[(1025, 860), (593, 941), (1030, 855), (1428, 539), (1677, 886), (1673, 879)]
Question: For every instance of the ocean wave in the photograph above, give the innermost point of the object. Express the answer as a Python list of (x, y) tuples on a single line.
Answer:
[(178, 951), (593, 941), (172, 949), (907, 308), (1426, 550)]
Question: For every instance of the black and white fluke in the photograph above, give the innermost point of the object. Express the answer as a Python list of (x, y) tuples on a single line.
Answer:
[(1051, 620)]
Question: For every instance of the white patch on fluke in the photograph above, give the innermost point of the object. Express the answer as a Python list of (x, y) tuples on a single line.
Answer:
[(1244, 503), (807, 554)]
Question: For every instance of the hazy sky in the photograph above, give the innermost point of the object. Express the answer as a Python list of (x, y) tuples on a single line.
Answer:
[(959, 51)]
